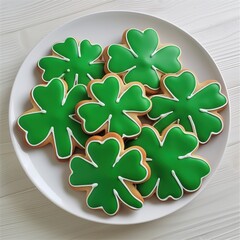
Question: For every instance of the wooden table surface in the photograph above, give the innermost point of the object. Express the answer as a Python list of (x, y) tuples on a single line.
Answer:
[(27, 214)]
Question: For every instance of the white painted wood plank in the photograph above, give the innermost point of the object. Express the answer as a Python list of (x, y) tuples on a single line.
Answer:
[(223, 47), (16, 15), (29, 215), (200, 219)]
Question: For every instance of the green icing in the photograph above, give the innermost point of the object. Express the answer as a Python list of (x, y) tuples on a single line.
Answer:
[(193, 110), (110, 107), (73, 62), (142, 57), (104, 169), (173, 167), (55, 117)]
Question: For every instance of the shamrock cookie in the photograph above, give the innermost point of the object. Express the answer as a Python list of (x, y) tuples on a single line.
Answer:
[(74, 62), (114, 107), (108, 173), (51, 120), (141, 58), (193, 105), (174, 167)]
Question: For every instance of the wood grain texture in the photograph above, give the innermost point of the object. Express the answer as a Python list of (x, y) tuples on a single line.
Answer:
[(27, 214)]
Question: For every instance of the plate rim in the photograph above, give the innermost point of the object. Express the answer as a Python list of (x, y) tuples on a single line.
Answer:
[(11, 118)]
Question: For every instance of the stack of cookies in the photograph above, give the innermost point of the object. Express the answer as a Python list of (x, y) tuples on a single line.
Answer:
[(136, 114)]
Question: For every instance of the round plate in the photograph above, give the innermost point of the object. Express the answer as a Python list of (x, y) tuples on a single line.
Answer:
[(41, 165)]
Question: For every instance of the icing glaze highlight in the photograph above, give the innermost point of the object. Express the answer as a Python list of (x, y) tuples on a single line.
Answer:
[(53, 116), (195, 106), (141, 59), (174, 167), (105, 172), (114, 107), (76, 63)]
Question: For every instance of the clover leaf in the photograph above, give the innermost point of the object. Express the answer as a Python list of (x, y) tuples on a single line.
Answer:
[(106, 173), (192, 105), (174, 168), (141, 59), (114, 107), (75, 63), (52, 118)]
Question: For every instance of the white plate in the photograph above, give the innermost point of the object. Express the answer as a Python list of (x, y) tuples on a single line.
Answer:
[(41, 165)]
